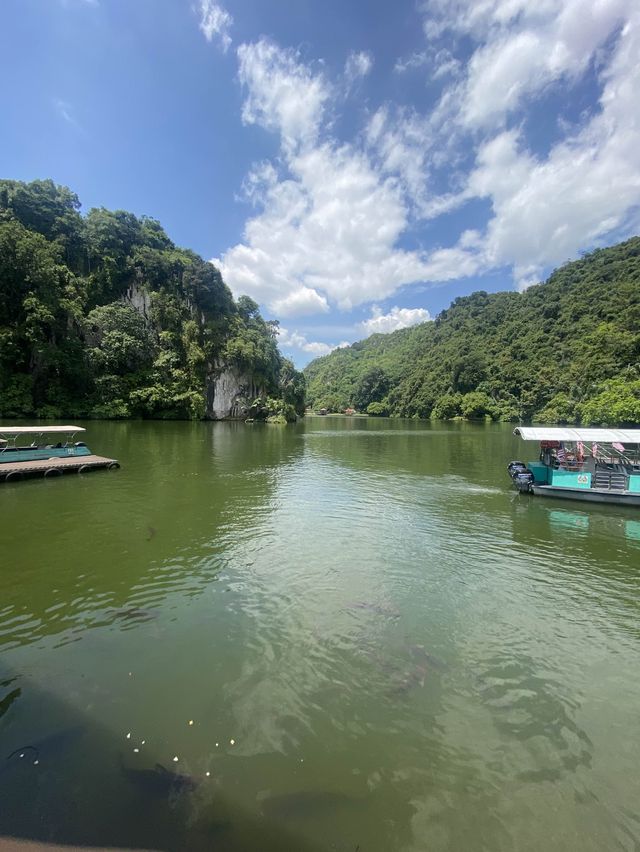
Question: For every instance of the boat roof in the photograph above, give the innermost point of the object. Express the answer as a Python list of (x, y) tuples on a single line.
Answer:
[(38, 430), (567, 433)]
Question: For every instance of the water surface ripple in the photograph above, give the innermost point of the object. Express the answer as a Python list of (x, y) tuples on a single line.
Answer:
[(350, 633)]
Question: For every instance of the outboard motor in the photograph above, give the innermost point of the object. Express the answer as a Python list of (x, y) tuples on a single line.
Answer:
[(515, 467), (521, 476), (524, 481)]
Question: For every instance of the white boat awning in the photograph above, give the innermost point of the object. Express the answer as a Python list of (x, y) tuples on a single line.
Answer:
[(567, 433), (38, 430)]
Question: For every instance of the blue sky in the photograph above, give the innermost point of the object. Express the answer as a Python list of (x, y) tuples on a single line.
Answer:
[(353, 166)]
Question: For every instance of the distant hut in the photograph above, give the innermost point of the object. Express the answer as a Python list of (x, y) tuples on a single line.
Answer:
[(349, 411), (322, 411)]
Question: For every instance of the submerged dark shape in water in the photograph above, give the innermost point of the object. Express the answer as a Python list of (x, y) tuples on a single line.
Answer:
[(408, 680), (419, 654), (46, 750), (306, 804), (420, 663), (408, 669), (152, 533), (387, 610), (8, 700), (132, 613), (159, 781)]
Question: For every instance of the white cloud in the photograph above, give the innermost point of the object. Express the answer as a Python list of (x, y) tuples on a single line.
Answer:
[(358, 65), (329, 225), (546, 209), (439, 63), (282, 94), (379, 323), (480, 18), (586, 189), (295, 340), (400, 143), (522, 47), (330, 216), (418, 59), (301, 302), (65, 111), (215, 21)]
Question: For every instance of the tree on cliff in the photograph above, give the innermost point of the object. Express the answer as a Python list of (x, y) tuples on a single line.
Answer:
[(104, 316)]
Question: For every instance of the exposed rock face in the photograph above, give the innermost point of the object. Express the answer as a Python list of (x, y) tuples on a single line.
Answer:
[(229, 393), (140, 300)]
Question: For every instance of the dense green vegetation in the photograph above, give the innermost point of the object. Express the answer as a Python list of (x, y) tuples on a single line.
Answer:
[(566, 351), (103, 316)]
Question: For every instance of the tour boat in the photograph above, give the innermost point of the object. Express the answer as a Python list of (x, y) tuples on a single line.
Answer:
[(33, 443), (596, 465), (27, 451)]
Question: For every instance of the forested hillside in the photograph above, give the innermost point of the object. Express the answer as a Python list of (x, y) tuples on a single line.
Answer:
[(565, 351), (103, 316)]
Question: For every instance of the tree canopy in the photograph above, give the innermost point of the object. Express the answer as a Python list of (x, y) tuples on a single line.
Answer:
[(103, 316), (565, 351)]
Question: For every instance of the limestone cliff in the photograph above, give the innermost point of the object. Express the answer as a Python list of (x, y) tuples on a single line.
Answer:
[(123, 323), (140, 299), (229, 393)]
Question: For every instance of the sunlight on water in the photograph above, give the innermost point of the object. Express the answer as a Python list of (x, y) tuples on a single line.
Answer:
[(343, 635)]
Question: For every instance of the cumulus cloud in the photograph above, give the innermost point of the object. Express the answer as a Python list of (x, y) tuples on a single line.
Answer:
[(400, 144), (215, 22), (545, 209), (586, 187), (525, 60), (295, 340), (282, 94), (380, 323), (301, 302), (330, 220), (521, 48)]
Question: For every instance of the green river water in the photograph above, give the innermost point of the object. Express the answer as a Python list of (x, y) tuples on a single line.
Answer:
[(352, 634)]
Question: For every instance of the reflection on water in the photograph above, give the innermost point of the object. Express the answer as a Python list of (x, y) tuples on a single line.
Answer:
[(344, 634)]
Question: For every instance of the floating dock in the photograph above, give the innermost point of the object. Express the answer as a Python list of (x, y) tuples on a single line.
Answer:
[(13, 471)]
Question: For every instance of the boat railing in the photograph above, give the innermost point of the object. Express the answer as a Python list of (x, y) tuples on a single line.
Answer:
[(610, 480), (569, 463)]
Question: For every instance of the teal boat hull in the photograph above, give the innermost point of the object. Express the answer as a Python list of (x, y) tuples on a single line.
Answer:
[(19, 454)]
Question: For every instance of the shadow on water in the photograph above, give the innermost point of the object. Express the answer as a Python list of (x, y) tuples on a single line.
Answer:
[(528, 706), (70, 783)]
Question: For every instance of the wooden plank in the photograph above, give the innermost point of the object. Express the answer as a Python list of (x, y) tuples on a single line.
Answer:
[(63, 465)]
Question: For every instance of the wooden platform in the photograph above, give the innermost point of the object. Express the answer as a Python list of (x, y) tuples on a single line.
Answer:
[(13, 471)]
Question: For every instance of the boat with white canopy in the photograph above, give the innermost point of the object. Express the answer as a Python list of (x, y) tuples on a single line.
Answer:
[(31, 443), (46, 451), (596, 465)]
